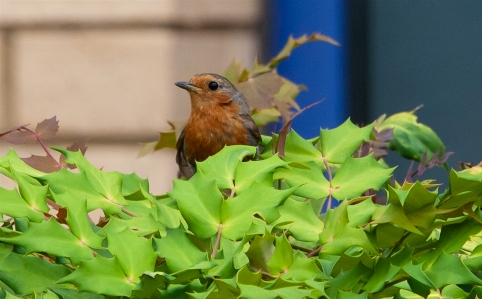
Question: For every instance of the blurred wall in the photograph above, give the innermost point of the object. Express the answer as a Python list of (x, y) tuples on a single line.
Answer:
[(106, 69)]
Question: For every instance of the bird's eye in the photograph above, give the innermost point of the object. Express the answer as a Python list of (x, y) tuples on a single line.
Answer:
[(213, 85)]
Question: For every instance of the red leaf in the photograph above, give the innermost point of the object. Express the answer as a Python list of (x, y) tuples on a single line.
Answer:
[(11, 130), (19, 137), (47, 128), (42, 163)]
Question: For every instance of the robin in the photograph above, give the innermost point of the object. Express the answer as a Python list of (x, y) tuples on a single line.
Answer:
[(220, 116)]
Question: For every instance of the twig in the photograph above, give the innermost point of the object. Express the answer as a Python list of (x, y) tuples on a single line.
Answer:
[(330, 178), (314, 252), (218, 239)]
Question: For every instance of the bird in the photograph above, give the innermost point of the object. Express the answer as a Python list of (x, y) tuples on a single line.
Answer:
[(220, 116)]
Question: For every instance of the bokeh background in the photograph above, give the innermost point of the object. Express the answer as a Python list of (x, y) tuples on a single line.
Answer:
[(106, 68)]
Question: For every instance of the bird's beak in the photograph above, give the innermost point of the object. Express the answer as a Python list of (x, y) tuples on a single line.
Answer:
[(187, 86)]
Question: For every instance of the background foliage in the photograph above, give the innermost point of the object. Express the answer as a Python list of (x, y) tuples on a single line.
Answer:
[(256, 229)]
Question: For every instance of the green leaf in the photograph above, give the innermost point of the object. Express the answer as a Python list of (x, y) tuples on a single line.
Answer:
[(361, 213), (310, 181), (135, 254), (260, 252), (339, 236), (221, 166), (301, 151), (13, 205), (411, 209), (132, 183), (70, 293), (388, 235), (33, 193), (77, 218), (383, 272), (49, 236), (340, 143), (347, 280), (199, 201), (300, 219), (304, 269), (294, 292), (32, 274), (140, 226), (453, 291), (282, 257), (358, 175), (410, 138), (458, 274), (237, 213), (255, 292), (256, 171), (12, 161), (80, 185), (179, 252), (101, 275), (465, 187), (453, 237), (108, 184)]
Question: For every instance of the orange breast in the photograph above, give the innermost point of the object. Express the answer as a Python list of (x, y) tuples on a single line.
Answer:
[(208, 130)]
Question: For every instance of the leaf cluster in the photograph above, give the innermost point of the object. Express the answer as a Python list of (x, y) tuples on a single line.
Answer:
[(247, 229)]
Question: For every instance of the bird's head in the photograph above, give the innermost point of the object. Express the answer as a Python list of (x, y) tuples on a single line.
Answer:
[(208, 89)]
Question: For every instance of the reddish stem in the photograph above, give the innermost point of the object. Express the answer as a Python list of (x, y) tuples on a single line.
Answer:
[(218, 239)]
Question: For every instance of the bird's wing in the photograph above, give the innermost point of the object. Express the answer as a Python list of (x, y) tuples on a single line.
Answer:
[(185, 168), (254, 136)]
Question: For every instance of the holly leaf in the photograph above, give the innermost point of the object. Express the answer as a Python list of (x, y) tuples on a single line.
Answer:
[(260, 252), (109, 184), (458, 274), (179, 252), (32, 274), (77, 218), (50, 237), (309, 181), (300, 150), (47, 128), (282, 257), (135, 254), (300, 220), (199, 201), (13, 205), (237, 213), (32, 192), (261, 172), (358, 175), (80, 185), (340, 143), (221, 167), (100, 275)]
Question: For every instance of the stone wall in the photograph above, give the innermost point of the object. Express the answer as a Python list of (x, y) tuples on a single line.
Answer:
[(106, 69)]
